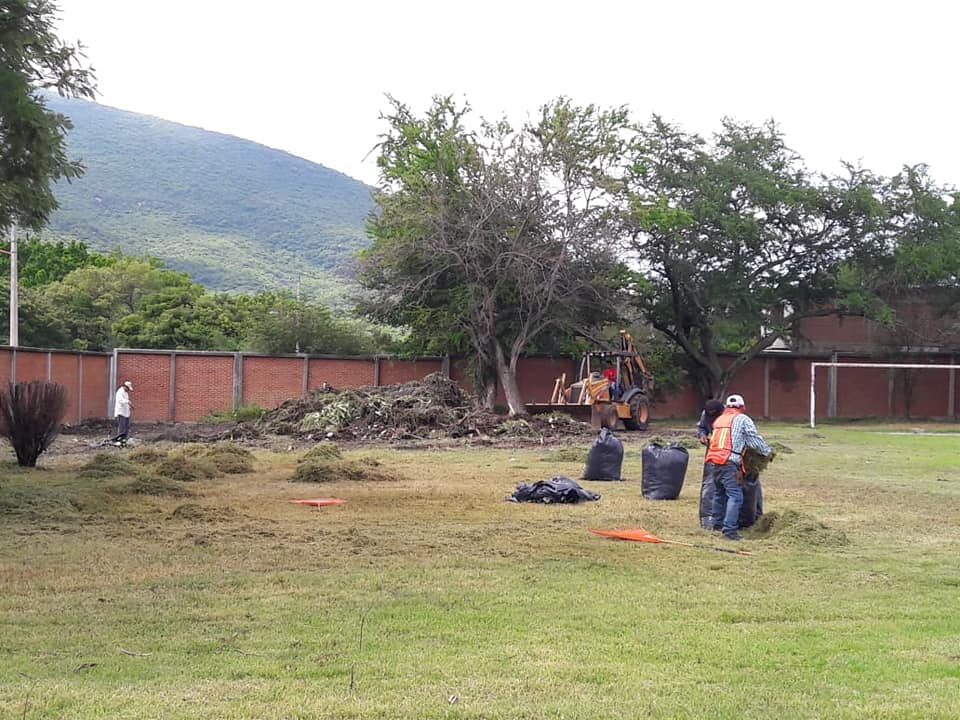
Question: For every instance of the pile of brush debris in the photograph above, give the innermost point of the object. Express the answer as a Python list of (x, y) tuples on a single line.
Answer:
[(432, 408)]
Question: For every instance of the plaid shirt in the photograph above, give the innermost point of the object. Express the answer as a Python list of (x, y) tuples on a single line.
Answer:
[(744, 433)]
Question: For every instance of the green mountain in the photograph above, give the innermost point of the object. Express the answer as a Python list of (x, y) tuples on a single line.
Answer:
[(234, 214)]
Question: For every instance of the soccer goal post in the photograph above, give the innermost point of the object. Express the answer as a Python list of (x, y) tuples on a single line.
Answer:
[(892, 366)]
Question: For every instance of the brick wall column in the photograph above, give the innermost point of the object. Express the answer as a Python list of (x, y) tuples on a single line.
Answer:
[(172, 395), (237, 381)]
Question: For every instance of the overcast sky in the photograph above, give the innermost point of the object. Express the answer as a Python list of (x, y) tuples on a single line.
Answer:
[(871, 81)]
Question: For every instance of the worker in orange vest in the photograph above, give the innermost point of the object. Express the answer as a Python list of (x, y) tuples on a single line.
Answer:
[(733, 432)]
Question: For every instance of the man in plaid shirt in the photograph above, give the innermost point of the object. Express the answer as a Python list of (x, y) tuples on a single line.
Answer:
[(733, 432)]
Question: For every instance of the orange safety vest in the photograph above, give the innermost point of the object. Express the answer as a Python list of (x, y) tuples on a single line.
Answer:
[(721, 439)]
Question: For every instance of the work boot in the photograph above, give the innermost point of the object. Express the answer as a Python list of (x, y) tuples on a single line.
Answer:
[(734, 535)]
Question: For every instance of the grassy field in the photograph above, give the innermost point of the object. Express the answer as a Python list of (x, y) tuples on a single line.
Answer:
[(430, 597)]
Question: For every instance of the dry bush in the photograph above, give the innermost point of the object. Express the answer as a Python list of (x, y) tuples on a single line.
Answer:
[(30, 417)]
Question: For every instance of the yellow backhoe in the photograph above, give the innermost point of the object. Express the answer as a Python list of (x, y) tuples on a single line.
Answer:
[(606, 377)]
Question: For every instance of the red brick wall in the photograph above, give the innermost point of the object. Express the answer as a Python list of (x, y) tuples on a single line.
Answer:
[(31, 365), (204, 384), (395, 372), (65, 370), (150, 375), (96, 385), (268, 381), (341, 372)]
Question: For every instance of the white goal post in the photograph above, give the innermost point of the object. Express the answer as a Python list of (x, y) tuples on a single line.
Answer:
[(905, 366)]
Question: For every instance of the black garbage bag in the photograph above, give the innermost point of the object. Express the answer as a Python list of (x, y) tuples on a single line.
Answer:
[(752, 499), (558, 489), (605, 458), (750, 510), (663, 471), (706, 496)]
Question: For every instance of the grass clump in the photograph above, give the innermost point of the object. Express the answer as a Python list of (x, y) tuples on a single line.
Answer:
[(185, 468), (566, 454), (324, 450), (797, 528), (148, 455), (247, 413), (325, 471), (155, 486), (103, 466), (229, 459)]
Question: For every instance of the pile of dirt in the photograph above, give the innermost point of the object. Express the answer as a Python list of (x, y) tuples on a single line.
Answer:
[(432, 408), (797, 528)]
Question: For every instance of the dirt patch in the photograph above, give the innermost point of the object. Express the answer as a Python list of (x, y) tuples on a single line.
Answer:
[(321, 470), (797, 528)]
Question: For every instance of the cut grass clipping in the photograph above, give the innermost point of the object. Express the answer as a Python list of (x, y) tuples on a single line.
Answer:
[(321, 470)]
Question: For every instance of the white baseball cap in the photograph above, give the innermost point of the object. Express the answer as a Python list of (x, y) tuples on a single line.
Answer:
[(128, 385), (735, 401)]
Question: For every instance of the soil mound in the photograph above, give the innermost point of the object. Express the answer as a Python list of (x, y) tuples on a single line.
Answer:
[(797, 528)]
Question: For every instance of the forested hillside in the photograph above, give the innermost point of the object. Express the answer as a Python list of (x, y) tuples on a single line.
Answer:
[(234, 214)]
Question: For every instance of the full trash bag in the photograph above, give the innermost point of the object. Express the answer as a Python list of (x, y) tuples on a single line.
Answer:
[(558, 489), (605, 458), (663, 471)]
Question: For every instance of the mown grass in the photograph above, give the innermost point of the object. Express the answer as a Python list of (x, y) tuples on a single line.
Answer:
[(234, 603)]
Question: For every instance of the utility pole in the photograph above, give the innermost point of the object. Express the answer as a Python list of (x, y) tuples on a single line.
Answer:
[(14, 289), (297, 325)]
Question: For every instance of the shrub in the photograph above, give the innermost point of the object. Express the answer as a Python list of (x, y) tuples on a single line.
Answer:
[(30, 417)]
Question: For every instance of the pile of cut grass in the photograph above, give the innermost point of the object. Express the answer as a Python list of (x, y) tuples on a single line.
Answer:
[(797, 528), (336, 470), (324, 450), (105, 466)]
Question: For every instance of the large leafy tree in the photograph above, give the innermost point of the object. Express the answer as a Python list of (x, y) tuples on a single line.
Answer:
[(32, 148), (488, 238), (739, 241)]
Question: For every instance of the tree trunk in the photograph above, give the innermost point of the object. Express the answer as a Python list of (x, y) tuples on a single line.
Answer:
[(508, 381)]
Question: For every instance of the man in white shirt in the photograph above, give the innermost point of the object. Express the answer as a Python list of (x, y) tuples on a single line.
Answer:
[(121, 409)]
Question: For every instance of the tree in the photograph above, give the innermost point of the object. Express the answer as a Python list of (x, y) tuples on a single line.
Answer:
[(32, 147), (739, 241), (486, 239), (92, 299), (42, 262)]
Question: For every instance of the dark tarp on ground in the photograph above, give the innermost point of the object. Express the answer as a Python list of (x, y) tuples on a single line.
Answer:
[(558, 489), (663, 471), (605, 458)]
